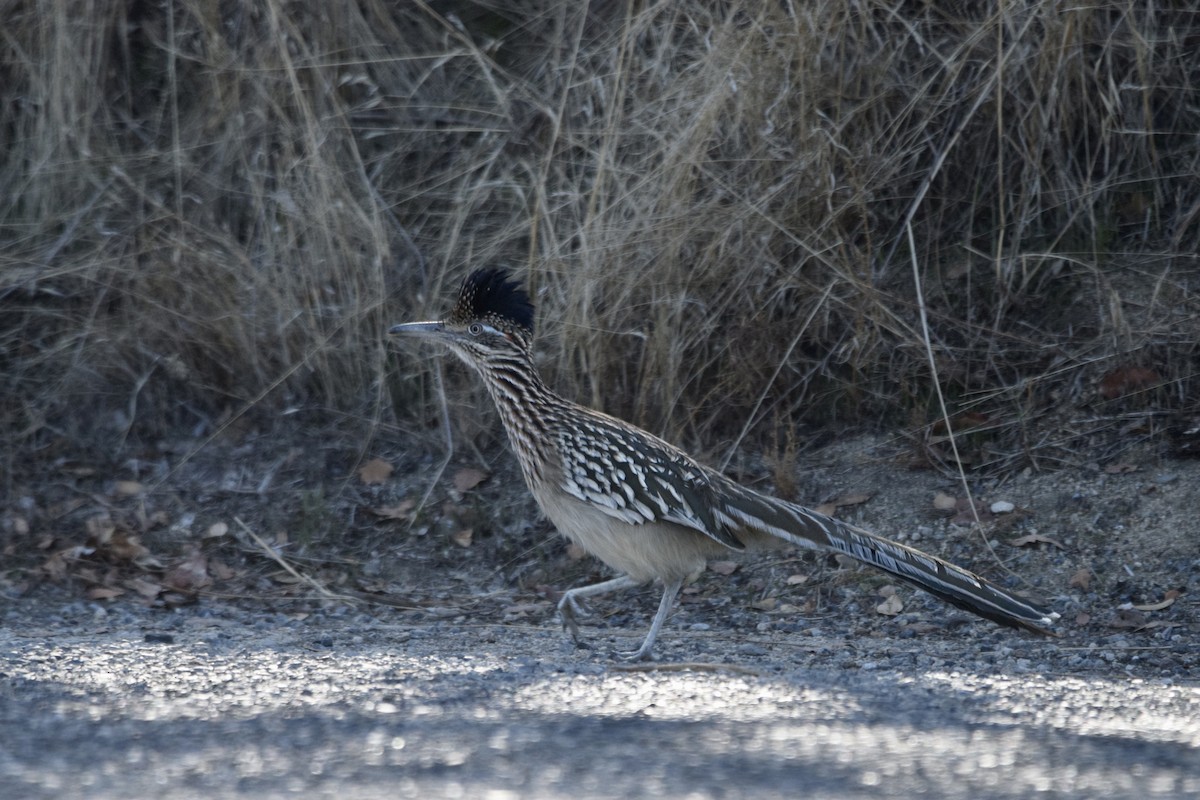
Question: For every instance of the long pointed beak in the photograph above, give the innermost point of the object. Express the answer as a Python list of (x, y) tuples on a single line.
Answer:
[(423, 329)]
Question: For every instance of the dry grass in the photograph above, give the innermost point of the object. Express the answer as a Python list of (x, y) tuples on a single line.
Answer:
[(214, 207)]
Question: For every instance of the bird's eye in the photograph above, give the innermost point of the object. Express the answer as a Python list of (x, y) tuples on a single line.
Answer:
[(474, 329)]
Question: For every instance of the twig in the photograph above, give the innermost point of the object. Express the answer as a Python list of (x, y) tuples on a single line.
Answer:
[(937, 388), (266, 548), (447, 432), (750, 418), (686, 666)]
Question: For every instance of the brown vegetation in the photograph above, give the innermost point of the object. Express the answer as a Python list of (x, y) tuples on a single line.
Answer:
[(728, 211)]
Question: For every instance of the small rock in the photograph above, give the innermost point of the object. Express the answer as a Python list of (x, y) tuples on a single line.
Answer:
[(1002, 507)]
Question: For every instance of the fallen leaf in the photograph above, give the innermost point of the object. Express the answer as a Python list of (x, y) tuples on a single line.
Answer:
[(971, 419), (891, 606), (402, 510), (215, 531), (145, 588), (1125, 380), (157, 519), (765, 604), (519, 610), (99, 528), (190, 575), (1159, 606), (220, 570), (1035, 538), (944, 502), (463, 538), (119, 546), (375, 471), (468, 478), (127, 488), (795, 580), (55, 566), (723, 567), (830, 507), (1082, 579), (104, 593)]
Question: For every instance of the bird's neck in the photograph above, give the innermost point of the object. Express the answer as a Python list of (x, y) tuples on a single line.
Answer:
[(527, 408)]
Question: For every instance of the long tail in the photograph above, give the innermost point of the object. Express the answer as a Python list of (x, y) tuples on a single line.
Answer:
[(754, 513)]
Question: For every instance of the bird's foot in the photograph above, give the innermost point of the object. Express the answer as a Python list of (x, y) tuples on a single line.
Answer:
[(568, 610), (643, 653)]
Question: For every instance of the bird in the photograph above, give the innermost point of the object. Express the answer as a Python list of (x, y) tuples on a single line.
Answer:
[(643, 506)]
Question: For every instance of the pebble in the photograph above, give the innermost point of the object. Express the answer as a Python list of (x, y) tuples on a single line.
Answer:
[(1002, 507), (749, 649)]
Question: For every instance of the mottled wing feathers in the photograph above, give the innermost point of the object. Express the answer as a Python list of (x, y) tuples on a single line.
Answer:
[(637, 478)]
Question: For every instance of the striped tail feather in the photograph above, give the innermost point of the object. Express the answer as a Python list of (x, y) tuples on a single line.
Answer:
[(800, 526)]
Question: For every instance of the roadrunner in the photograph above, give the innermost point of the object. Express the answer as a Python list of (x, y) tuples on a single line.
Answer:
[(643, 506)]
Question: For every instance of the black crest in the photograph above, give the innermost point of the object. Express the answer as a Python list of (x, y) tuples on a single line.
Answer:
[(491, 293)]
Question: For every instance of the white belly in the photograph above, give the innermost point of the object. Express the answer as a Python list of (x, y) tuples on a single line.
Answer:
[(661, 550)]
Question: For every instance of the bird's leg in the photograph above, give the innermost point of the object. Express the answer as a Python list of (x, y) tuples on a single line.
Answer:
[(645, 652), (569, 606)]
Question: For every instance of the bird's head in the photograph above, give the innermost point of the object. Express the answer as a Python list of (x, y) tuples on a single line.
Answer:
[(492, 318)]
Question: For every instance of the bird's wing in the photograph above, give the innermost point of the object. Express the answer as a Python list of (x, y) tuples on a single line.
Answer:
[(638, 478)]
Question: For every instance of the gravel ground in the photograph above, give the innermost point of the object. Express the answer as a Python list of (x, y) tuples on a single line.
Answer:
[(222, 701), (767, 687)]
